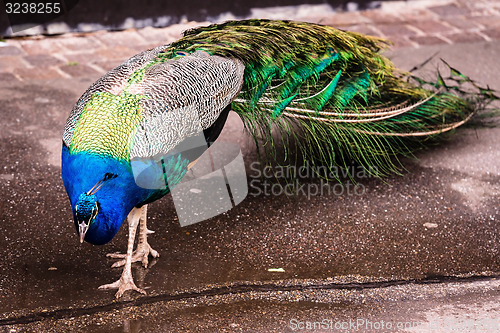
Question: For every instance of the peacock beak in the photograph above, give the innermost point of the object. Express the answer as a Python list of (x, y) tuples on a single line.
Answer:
[(85, 218), (82, 230)]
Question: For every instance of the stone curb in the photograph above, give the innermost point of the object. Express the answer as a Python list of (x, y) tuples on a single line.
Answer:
[(406, 23)]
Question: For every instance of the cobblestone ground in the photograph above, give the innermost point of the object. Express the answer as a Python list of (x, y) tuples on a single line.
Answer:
[(406, 24)]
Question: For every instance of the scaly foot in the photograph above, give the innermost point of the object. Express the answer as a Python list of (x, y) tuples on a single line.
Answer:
[(123, 284), (141, 254)]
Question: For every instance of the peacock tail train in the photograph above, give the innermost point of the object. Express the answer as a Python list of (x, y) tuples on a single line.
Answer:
[(327, 93), (331, 93)]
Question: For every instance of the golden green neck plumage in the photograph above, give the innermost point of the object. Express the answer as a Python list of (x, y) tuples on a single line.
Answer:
[(107, 124)]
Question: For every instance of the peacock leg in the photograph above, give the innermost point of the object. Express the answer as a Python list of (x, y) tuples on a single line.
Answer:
[(143, 249), (126, 282)]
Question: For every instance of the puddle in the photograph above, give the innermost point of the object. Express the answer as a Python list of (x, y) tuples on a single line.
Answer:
[(476, 191)]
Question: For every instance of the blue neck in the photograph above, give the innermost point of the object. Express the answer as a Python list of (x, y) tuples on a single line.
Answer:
[(117, 197)]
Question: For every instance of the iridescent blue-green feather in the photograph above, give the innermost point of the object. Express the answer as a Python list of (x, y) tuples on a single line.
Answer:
[(331, 94)]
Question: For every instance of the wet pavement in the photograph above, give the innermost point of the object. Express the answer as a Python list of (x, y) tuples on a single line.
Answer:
[(421, 248)]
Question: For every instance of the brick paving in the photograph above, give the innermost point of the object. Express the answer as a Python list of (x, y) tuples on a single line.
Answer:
[(412, 23)]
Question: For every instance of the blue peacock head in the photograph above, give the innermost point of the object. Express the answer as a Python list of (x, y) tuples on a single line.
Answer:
[(86, 209)]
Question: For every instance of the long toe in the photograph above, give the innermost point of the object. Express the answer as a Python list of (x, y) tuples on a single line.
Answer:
[(119, 263), (148, 250), (116, 255), (122, 286), (140, 254), (137, 255), (114, 285), (154, 253)]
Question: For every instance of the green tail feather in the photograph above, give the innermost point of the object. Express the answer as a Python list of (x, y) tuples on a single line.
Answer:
[(330, 94)]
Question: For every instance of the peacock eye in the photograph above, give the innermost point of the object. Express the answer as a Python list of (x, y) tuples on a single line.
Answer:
[(109, 176)]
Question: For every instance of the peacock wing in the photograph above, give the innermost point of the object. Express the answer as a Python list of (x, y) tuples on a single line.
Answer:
[(183, 101), (180, 98)]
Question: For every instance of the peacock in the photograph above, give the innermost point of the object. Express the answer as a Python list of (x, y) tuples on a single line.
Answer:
[(330, 93)]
